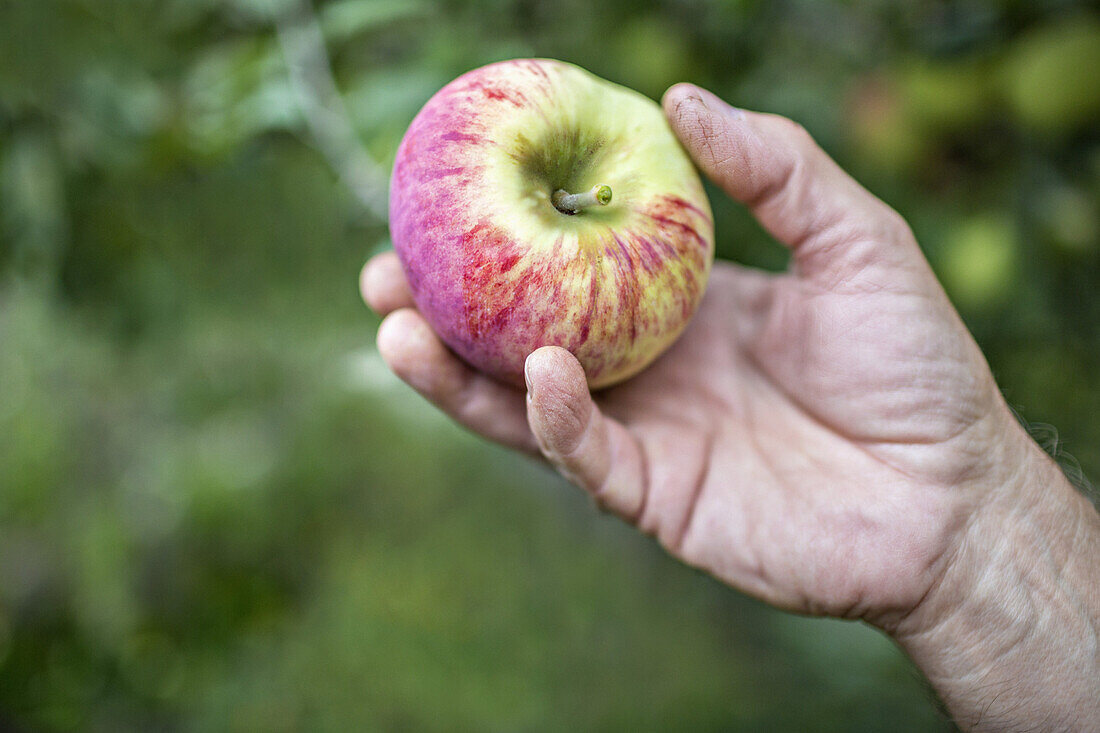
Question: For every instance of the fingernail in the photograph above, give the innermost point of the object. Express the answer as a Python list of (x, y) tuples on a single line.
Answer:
[(527, 373), (366, 284)]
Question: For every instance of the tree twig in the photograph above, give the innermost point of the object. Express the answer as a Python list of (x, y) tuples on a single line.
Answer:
[(327, 120)]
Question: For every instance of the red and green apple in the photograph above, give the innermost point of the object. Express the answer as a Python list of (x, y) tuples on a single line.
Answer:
[(534, 204)]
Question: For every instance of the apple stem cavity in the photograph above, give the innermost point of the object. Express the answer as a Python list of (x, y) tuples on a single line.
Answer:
[(574, 203)]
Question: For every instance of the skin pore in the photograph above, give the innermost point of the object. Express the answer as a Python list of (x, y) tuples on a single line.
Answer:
[(829, 439)]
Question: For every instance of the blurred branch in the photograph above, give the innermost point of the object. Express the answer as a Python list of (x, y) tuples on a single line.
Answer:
[(327, 120)]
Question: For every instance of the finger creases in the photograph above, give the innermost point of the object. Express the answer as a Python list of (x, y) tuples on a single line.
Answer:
[(414, 352), (591, 450)]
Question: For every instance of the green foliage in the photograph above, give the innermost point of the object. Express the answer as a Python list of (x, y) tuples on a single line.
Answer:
[(1052, 76), (218, 510), (980, 265)]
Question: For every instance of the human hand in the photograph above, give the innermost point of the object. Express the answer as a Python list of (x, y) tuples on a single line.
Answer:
[(810, 436), (826, 439)]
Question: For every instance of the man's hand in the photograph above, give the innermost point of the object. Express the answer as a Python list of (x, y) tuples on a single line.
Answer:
[(829, 439)]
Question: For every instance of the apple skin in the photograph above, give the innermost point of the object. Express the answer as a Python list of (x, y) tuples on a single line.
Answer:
[(498, 271)]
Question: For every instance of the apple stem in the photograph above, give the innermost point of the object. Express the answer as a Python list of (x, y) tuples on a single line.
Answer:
[(574, 203)]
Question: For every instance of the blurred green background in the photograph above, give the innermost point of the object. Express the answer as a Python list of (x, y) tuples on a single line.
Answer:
[(218, 511)]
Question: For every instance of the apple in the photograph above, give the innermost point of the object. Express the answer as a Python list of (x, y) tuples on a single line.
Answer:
[(534, 204)]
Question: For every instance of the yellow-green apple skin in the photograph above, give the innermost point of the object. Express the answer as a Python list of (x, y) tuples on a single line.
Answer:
[(499, 271)]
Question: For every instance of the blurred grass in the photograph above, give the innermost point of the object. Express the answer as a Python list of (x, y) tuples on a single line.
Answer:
[(219, 512)]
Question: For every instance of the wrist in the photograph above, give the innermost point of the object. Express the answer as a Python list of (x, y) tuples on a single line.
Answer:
[(1008, 635)]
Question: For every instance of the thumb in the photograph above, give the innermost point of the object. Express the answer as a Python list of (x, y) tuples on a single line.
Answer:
[(591, 450), (832, 224)]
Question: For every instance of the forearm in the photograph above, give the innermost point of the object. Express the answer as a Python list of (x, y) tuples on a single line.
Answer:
[(1009, 636)]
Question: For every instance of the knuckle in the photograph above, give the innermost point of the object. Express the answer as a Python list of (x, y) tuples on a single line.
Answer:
[(794, 131), (895, 228), (795, 128)]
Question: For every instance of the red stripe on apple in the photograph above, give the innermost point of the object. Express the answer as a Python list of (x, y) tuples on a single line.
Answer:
[(534, 204)]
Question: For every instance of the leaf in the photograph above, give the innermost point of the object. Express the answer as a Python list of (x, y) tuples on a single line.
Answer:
[(237, 90), (389, 97), (346, 18), (33, 217)]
